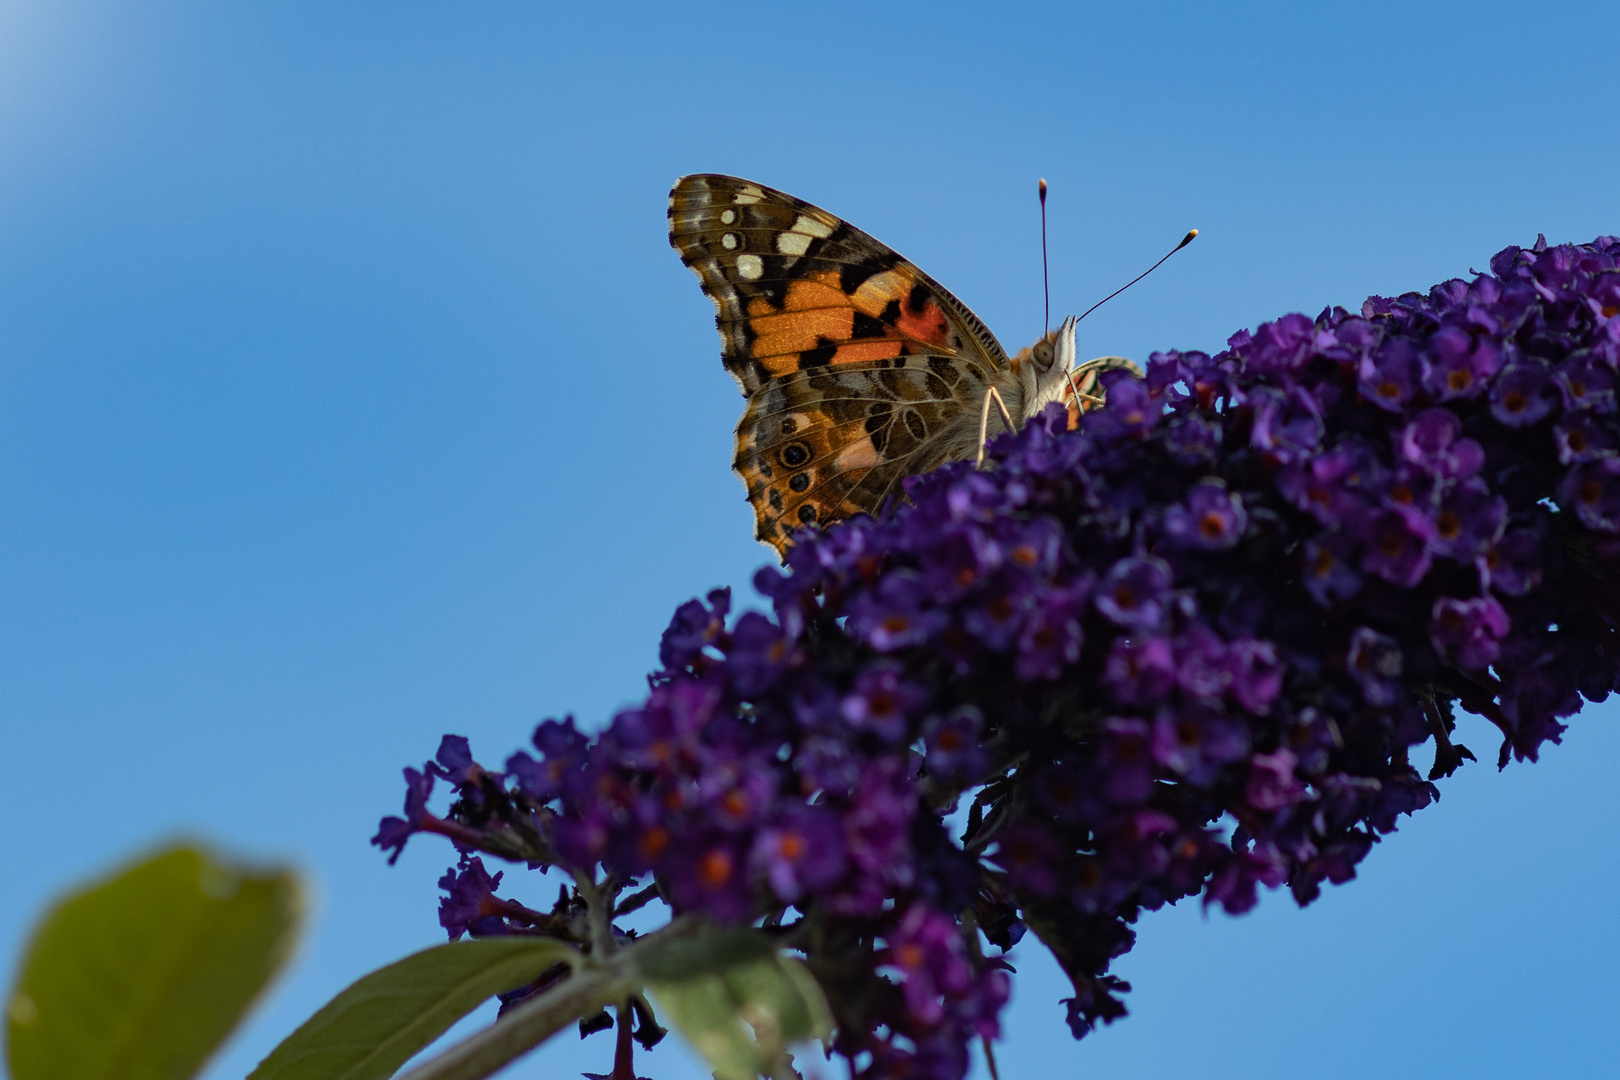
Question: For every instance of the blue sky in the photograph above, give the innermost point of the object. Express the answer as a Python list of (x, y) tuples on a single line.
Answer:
[(350, 394)]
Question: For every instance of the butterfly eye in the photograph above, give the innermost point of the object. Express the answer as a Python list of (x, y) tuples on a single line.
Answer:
[(1043, 353)]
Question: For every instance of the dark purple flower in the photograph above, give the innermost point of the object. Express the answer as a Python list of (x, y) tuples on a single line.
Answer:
[(583, 838), (801, 851), (960, 560), (1202, 666), (650, 737), (1192, 440), (1130, 412), (1287, 424), (883, 702), (694, 627), (1586, 383), (1513, 566), (932, 962), (829, 763), (1052, 638), (1592, 490), (1468, 632), (895, 615), (1583, 436), (471, 905), (1431, 442), (1195, 742), (1460, 363), (997, 616), (1411, 488), (1395, 546), (876, 834), (1126, 759), (1329, 574), (1139, 671), (1093, 1005), (1375, 663), (1212, 519), (1313, 737), (1272, 784), (736, 791), (1034, 548), (1469, 522), (1282, 346), (710, 877), (392, 832), (454, 761), (758, 654), (1135, 591), (1233, 886), (1255, 675), (562, 750), (1030, 856), (1165, 371), (1333, 487), (954, 752), (1389, 378), (1523, 395)]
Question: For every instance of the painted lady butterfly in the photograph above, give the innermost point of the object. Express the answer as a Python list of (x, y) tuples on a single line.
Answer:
[(859, 369)]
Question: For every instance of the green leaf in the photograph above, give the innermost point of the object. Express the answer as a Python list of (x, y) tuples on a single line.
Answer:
[(742, 1015), (377, 1024), (682, 958), (143, 975)]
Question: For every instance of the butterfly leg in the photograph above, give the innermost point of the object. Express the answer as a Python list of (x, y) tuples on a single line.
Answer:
[(990, 394), (1074, 390)]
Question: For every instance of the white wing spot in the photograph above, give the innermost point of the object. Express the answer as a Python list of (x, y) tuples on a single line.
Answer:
[(727, 216), (811, 227), (748, 196), (729, 241), (749, 267), (793, 243)]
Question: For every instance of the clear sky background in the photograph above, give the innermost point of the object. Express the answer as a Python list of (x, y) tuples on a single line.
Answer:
[(351, 394)]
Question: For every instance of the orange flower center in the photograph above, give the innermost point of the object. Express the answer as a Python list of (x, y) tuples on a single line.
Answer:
[(714, 870)]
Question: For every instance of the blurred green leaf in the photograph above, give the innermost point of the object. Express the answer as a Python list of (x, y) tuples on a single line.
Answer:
[(742, 1015), (682, 958), (376, 1025), (143, 975)]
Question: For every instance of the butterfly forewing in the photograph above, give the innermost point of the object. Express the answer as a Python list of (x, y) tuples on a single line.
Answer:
[(859, 368)]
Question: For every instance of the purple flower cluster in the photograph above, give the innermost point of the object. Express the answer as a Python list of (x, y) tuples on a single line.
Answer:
[(1185, 645)]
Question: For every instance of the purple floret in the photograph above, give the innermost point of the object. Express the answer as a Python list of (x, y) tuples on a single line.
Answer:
[(1212, 519), (1134, 592), (1469, 633)]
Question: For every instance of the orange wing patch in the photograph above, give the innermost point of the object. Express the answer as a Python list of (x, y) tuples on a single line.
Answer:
[(889, 315)]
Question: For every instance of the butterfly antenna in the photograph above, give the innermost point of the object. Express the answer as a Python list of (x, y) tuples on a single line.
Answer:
[(1046, 281), (1185, 240)]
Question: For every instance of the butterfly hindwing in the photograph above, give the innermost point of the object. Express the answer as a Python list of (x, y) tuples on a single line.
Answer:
[(859, 368), (821, 445)]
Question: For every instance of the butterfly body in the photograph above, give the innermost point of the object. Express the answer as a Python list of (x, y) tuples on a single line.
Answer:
[(858, 368)]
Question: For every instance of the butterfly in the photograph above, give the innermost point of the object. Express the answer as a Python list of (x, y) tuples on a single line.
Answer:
[(858, 368)]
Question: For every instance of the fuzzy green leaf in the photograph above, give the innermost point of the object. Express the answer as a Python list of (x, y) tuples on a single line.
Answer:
[(141, 976)]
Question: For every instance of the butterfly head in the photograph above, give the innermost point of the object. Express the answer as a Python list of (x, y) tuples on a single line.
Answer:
[(1042, 370)]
